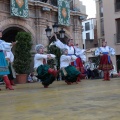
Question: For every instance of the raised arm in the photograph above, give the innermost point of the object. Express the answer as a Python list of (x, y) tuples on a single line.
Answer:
[(7, 46), (97, 52), (58, 43)]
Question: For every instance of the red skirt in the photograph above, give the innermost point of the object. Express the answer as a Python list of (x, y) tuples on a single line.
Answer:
[(78, 65), (105, 64)]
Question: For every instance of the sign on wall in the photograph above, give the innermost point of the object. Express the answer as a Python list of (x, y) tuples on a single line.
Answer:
[(19, 8), (63, 12)]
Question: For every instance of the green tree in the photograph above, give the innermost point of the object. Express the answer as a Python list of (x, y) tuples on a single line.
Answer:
[(22, 52), (56, 51)]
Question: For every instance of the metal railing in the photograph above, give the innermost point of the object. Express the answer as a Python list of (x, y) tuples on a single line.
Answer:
[(54, 3)]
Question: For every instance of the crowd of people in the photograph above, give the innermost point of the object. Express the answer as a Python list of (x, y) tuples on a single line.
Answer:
[(73, 65)]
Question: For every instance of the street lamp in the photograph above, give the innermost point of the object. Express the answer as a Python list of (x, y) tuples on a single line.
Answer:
[(48, 32), (62, 33), (55, 28)]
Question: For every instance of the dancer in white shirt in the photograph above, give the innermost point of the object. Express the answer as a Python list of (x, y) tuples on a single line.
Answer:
[(105, 61), (10, 58), (45, 73), (69, 72), (73, 50), (4, 71)]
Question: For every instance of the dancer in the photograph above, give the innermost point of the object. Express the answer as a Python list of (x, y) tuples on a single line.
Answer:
[(73, 50), (4, 71), (10, 58), (69, 72), (105, 62), (45, 73)]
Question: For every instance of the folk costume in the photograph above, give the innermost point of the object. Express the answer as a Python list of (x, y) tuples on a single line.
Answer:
[(105, 60), (73, 50), (45, 73), (68, 72), (10, 58), (4, 70)]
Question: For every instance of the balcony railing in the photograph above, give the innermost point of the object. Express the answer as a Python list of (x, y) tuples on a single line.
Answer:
[(54, 3), (117, 38)]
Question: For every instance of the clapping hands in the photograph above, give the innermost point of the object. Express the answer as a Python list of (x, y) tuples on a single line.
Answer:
[(49, 56)]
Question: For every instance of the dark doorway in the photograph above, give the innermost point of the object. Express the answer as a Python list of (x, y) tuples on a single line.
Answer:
[(118, 62), (10, 33)]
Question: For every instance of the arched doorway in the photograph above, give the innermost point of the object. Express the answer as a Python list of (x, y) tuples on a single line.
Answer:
[(10, 33)]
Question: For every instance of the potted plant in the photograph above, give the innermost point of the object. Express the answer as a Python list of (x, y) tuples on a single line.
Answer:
[(22, 56)]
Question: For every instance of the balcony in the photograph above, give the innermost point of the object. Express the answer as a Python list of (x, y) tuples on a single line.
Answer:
[(117, 38), (54, 3)]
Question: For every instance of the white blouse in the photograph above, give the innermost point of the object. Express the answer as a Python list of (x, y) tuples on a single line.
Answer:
[(10, 56), (38, 59), (5, 46), (66, 60), (108, 49), (71, 49)]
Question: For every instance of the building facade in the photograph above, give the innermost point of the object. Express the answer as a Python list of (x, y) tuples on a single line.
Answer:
[(38, 19), (41, 15), (89, 30), (108, 25)]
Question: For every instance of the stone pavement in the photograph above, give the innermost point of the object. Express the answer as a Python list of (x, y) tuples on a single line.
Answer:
[(88, 100)]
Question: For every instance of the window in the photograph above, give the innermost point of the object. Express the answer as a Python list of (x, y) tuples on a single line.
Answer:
[(118, 30), (102, 27), (87, 36), (117, 5), (118, 25), (87, 26), (54, 2), (83, 46), (101, 8)]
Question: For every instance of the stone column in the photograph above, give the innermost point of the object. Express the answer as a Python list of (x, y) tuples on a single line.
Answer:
[(77, 32)]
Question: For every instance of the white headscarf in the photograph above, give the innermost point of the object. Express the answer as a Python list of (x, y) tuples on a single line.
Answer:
[(37, 47), (63, 50)]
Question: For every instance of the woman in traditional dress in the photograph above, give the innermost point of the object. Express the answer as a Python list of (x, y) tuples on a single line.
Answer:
[(45, 73), (73, 50), (4, 71), (69, 72), (10, 58), (105, 61)]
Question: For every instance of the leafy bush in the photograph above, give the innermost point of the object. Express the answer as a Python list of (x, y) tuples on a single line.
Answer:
[(22, 52)]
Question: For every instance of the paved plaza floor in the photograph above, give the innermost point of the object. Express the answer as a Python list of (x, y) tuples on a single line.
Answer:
[(88, 100)]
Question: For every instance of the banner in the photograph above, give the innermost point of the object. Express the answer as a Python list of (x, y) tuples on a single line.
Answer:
[(19, 8), (63, 12)]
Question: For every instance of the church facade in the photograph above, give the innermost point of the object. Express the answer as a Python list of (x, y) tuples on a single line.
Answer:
[(41, 15)]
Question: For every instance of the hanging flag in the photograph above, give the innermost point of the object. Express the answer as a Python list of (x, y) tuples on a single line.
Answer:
[(63, 12), (19, 8)]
